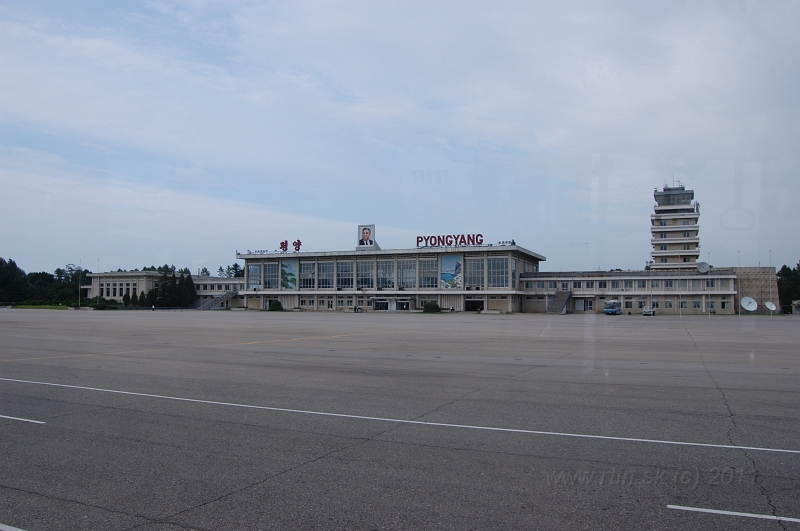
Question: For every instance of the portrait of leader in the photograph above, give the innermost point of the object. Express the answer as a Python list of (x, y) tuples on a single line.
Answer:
[(366, 235)]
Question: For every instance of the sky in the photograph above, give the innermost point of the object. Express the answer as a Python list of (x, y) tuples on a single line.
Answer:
[(143, 133)]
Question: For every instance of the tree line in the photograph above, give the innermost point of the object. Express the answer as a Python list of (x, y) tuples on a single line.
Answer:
[(59, 287), (175, 288), (169, 292), (788, 285)]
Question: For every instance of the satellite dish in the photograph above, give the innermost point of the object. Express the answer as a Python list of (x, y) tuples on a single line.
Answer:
[(703, 267), (749, 304), (770, 306)]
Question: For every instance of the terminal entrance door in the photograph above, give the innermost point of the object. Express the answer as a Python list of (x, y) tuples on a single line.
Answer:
[(473, 306), (330, 304)]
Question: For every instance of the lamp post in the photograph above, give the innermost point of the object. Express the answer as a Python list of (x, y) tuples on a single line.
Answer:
[(738, 266)]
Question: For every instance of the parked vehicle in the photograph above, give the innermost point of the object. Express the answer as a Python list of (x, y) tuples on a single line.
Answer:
[(612, 307), (648, 310)]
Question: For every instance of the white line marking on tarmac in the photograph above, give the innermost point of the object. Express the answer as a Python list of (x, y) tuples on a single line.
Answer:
[(23, 420), (733, 513), (403, 421), (4, 527)]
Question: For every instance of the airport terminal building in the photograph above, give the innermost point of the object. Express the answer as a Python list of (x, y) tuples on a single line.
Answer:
[(463, 273), (456, 271)]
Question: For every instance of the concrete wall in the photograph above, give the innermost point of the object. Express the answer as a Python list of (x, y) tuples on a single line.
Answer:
[(760, 283)]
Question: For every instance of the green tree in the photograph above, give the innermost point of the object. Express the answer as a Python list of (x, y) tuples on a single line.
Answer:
[(135, 299), (191, 292), (13, 284), (205, 272), (234, 271), (275, 306), (220, 272), (152, 297), (126, 299), (431, 307), (788, 285), (143, 299)]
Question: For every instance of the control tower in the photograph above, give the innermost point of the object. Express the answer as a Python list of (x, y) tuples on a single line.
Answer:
[(674, 228)]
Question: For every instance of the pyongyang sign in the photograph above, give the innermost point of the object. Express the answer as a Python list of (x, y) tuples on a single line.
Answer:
[(449, 240)]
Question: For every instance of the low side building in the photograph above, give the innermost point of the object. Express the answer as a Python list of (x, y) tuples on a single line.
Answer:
[(669, 292), (115, 284)]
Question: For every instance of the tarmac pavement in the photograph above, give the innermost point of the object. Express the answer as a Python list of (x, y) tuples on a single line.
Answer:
[(225, 420)]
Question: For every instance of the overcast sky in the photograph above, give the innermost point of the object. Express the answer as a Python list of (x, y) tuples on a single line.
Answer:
[(139, 133)]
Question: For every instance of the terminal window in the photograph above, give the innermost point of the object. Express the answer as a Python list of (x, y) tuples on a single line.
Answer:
[(655, 284), (364, 274), (325, 275), (271, 276), (576, 284), (590, 284), (428, 273), (344, 275), (628, 284), (497, 269), (473, 272), (641, 284), (602, 284), (386, 274), (615, 284), (406, 274), (254, 276), (307, 270)]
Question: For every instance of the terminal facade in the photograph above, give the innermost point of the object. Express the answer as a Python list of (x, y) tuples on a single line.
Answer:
[(463, 273), (464, 278)]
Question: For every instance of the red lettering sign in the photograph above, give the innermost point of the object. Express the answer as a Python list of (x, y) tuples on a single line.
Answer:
[(449, 240)]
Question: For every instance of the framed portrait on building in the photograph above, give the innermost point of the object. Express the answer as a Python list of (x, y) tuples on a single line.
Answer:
[(366, 235)]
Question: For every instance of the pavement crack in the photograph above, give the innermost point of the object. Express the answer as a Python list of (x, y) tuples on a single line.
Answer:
[(78, 502), (729, 433), (169, 519), (453, 401)]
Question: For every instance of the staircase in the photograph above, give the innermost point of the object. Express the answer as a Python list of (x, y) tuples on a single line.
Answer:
[(216, 301), (558, 303)]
